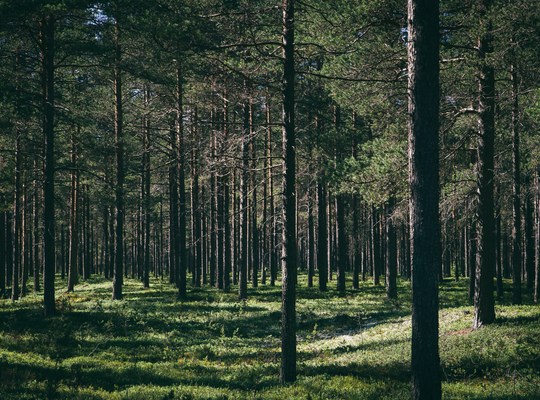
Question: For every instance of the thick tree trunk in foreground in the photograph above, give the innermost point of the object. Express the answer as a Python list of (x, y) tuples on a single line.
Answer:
[(289, 252), (423, 52)]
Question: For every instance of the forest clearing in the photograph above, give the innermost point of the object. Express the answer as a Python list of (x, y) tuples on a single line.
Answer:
[(151, 346)]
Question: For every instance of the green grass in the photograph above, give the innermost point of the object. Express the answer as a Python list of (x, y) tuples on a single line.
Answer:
[(152, 346)]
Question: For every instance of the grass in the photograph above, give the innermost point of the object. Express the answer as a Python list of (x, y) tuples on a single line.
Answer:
[(152, 346)]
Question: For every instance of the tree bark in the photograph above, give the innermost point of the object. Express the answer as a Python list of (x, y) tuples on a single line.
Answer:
[(3, 250), (242, 288), (322, 237), (311, 239), (516, 195), (73, 274), (47, 61), (484, 304), (118, 276), (289, 251), (146, 198), (341, 243), (529, 237), (17, 233), (254, 219), (391, 260), (423, 90), (536, 295), (182, 209)]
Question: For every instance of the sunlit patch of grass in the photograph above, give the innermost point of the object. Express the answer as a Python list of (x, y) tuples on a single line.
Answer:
[(211, 346)]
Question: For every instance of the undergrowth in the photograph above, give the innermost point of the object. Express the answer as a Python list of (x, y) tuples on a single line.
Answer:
[(152, 346)]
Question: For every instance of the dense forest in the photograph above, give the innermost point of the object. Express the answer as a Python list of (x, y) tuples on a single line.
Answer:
[(269, 169)]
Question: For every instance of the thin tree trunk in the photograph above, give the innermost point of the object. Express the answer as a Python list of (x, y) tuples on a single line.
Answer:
[(357, 244), (3, 250), (289, 251), (118, 277), (322, 237), (182, 209), (536, 295), (375, 245), (47, 61), (146, 199), (73, 275), (17, 233), (498, 252), (215, 275), (242, 288), (529, 238), (341, 243), (391, 260), (311, 239), (35, 216), (227, 239), (254, 226), (516, 195), (24, 237), (271, 210)]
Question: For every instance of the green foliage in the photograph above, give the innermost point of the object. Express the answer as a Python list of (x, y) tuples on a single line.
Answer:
[(378, 172), (150, 346)]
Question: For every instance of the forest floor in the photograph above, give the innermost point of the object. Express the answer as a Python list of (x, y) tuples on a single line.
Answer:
[(152, 346)]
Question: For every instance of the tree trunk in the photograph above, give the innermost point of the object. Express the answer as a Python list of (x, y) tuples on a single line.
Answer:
[(214, 281), (536, 236), (254, 226), (35, 242), (3, 250), (516, 195), (423, 54), (341, 243), (484, 304), (242, 288), (47, 61), (182, 209), (472, 260), (289, 251), (529, 237), (391, 260), (227, 239), (272, 261), (146, 198), (73, 275), (118, 277), (375, 245), (322, 237), (17, 233), (356, 243), (311, 239), (498, 253)]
